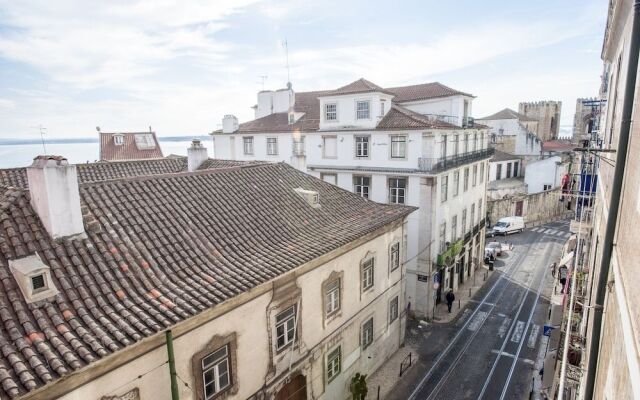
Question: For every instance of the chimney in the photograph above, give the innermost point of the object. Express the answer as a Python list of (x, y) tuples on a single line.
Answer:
[(196, 155), (229, 124), (55, 197)]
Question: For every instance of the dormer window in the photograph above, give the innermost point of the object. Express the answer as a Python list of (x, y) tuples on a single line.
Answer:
[(292, 118), (382, 103), (33, 278), (331, 112), (118, 140), (310, 196), (362, 109)]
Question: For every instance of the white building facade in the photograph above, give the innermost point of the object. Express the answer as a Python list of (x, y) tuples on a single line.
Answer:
[(413, 145)]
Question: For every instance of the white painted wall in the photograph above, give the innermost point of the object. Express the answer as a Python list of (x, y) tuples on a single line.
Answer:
[(452, 105), (346, 107), (526, 142), (548, 171), (493, 167)]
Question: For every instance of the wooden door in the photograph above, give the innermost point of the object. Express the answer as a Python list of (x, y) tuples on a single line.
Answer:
[(296, 389), (519, 208)]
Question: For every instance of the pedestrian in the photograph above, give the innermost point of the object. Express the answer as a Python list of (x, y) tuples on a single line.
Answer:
[(450, 298), (553, 269), (562, 276)]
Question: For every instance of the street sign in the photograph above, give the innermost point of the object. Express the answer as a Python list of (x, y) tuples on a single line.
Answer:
[(423, 278), (547, 330)]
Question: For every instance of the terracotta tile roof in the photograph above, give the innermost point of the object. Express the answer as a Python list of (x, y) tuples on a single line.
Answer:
[(499, 155), (360, 86), (159, 250), (101, 171), (402, 118), (508, 113), (135, 146), (423, 91), (557, 145)]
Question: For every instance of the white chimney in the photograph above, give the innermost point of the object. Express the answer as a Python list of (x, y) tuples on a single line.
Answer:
[(265, 103), (196, 155), (53, 185), (229, 124), (283, 100)]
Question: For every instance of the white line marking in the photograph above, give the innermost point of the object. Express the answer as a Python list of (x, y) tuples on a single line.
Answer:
[(503, 328), (533, 336), (477, 320), (517, 333)]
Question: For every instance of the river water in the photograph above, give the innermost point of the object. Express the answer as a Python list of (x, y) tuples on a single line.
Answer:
[(21, 155)]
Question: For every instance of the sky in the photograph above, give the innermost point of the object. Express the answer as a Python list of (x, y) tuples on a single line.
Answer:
[(179, 66)]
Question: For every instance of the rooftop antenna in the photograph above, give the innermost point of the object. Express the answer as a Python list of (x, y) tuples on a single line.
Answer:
[(263, 79), (42, 130), (286, 50)]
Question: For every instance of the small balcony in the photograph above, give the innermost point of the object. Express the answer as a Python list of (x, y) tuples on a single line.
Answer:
[(298, 148), (436, 165)]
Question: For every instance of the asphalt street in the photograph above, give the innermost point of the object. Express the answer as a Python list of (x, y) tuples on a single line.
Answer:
[(489, 350)]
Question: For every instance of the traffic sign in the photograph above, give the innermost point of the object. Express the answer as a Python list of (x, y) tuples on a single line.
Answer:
[(547, 330)]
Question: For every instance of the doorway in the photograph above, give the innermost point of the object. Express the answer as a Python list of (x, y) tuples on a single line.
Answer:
[(519, 208), (294, 390)]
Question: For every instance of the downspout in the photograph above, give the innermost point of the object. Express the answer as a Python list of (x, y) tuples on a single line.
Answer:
[(616, 189), (175, 393)]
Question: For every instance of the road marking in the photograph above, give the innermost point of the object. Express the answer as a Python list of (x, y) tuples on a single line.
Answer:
[(550, 231), (501, 315), (533, 336), (503, 328), (477, 320), (463, 317), (505, 354), (517, 333)]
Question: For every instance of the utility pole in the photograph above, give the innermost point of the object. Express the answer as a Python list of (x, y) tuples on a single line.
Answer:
[(175, 394), (42, 131)]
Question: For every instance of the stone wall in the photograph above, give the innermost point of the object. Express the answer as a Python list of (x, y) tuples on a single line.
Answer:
[(537, 208)]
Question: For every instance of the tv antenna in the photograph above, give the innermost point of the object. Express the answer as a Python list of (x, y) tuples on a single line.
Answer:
[(263, 79), (285, 44), (42, 130)]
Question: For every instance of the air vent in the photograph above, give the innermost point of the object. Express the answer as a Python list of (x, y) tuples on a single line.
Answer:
[(311, 196), (33, 278)]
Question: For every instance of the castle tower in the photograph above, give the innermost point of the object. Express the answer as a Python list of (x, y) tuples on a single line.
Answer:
[(548, 115)]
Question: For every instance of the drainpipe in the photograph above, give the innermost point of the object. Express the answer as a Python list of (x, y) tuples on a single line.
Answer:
[(175, 394), (616, 189)]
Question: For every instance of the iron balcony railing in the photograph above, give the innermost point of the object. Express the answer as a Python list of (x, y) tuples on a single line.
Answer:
[(435, 165)]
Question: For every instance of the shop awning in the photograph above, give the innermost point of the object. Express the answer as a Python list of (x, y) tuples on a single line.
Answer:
[(566, 259)]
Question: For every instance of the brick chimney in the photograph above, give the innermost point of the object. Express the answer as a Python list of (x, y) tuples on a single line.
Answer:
[(53, 185), (196, 155)]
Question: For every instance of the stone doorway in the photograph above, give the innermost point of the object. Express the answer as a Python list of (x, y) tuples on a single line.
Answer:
[(296, 389)]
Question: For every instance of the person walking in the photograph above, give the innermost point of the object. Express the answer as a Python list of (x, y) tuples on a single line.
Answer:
[(562, 277), (450, 298)]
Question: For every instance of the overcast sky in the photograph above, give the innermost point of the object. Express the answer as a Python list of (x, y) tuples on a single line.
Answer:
[(179, 66)]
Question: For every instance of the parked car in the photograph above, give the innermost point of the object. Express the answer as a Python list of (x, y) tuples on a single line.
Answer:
[(508, 225), (489, 232), (495, 248)]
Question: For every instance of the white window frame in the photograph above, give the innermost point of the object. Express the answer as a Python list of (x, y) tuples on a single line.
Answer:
[(454, 228), (247, 145), (481, 172), (334, 363), (442, 237), (474, 180), (362, 146), (272, 146), (332, 298), (286, 327), (382, 105), (444, 188), (118, 140), (396, 192), (394, 309), (456, 183), (398, 147), (394, 256), (331, 115), (364, 112), (367, 274), (215, 366), (359, 186), (464, 221), (325, 175), (366, 333), (465, 180)]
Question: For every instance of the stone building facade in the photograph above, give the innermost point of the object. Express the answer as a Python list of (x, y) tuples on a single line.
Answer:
[(548, 115)]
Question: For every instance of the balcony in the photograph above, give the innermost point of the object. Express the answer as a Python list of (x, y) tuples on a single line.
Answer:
[(450, 119), (298, 148), (436, 165)]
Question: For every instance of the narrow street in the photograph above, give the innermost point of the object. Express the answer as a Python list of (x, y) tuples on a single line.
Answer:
[(489, 350)]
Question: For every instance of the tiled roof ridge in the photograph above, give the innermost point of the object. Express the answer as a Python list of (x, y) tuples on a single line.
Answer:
[(208, 171)]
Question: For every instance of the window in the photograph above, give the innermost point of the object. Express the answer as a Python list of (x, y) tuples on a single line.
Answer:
[(482, 141), (475, 141), (329, 146), (334, 363), (475, 175), (38, 282), (498, 172), (454, 228), (456, 182), (393, 309), (272, 146), (362, 109), (215, 372), (397, 188), (480, 216), (118, 140), (285, 327), (466, 143), (331, 112), (443, 237), (292, 118), (546, 187), (145, 141), (456, 144), (465, 183), (366, 337), (473, 214), (361, 185), (515, 169), (395, 256), (362, 146), (382, 108), (248, 145), (366, 274), (481, 172), (329, 178), (508, 170), (332, 297), (464, 220), (444, 188), (398, 146), (443, 146)]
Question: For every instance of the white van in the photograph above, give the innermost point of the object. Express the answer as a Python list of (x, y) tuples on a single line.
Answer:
[(508, 225)]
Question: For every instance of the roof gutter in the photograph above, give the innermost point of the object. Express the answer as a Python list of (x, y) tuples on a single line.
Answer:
[(616, 191)]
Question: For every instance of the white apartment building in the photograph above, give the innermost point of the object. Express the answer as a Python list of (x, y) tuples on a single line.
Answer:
[(514, 133), (413, 145)]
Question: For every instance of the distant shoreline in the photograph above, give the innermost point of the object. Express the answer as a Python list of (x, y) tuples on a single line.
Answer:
[(15, 141)]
